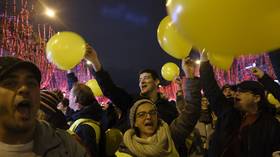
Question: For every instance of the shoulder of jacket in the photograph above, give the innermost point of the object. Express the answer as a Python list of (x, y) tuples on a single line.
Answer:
[(69, 143), (49, 140)]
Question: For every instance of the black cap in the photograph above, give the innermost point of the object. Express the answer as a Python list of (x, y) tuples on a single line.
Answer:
[(252, 86), (8, 64)]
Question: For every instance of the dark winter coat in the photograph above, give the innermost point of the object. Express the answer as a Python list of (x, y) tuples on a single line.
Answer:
[(261, 138)]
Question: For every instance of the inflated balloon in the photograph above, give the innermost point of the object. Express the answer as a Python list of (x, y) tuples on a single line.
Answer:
[(271, 99), (66, 50), (95, 88), (169, 71), (221, 61), (171, 41), (229, 27)]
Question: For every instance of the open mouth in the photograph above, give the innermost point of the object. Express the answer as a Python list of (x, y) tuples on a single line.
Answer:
[(237, 99), (149, 124), (144, 86), (23, 108), (24, 103), (228, 95)]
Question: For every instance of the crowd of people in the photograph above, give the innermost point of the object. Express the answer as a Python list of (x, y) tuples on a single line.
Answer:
[(204, 121)]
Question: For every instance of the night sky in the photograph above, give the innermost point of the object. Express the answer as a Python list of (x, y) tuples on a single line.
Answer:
[(122, 31)]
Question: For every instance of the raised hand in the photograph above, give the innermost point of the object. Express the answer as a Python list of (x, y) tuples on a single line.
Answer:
[(91, 55), (257, 72), (188, 66), (179, 82), (204, 56)]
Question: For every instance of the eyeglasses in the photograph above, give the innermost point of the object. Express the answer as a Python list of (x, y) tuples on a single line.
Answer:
[(144, 114)]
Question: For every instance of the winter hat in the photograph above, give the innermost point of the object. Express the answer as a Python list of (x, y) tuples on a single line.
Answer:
[(50, 100), (135, 107), (48, 104)]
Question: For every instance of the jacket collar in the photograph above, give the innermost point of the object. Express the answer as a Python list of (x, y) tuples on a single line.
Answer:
[(94, 112)]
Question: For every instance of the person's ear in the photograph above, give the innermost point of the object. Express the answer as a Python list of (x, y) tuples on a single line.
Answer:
[(76, 99), (257, 98)]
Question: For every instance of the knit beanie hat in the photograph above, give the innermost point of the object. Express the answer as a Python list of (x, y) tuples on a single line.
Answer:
[(135, 107), (50, 100), (48, 104)]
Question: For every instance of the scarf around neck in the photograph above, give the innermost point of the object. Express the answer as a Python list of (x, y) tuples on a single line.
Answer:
[(159, 145)]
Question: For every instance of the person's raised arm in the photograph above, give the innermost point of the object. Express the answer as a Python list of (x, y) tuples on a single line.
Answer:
[(267, 81), (217, 100), (117, 95), (189, 106), (71, 79)]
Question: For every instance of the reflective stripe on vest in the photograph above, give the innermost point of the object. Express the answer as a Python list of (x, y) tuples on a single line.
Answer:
[(94, 124), (121, 154)]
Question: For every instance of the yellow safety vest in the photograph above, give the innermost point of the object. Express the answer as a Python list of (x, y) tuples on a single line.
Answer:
[(94, 124)]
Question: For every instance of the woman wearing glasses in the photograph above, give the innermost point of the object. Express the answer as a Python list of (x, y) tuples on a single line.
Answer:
[(150, 136)]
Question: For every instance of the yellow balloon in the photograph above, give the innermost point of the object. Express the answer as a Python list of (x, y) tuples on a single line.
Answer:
[(169, 71), (221, 61), (229, 27), (95, 88), (66, 50), (271, 99), (171, 40)]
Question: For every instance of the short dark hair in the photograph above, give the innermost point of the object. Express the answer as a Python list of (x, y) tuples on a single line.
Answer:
[(150, 71), (84, 95)]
